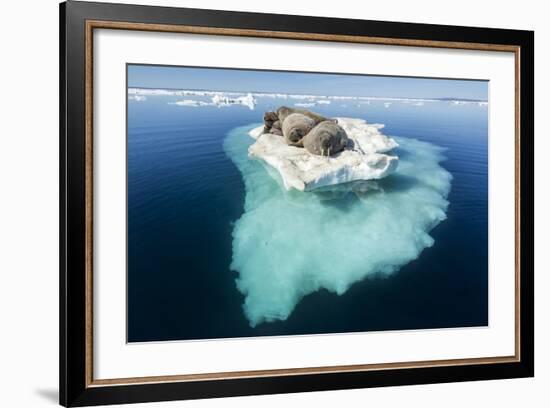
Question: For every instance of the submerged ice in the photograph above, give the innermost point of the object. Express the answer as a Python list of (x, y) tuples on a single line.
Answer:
[(288, 244)]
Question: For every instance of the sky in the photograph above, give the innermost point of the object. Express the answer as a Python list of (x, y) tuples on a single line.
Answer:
[(238, 80)]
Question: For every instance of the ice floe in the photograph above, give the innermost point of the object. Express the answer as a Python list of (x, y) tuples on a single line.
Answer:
[(137, 98), (364, 159), (247, 100), (191, 102), (219, 101)]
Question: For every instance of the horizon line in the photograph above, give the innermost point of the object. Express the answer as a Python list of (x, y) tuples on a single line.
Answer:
[(435, 99)]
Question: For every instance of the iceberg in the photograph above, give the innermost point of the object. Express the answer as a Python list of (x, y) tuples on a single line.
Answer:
[(137, 98), (364, 159), (189, 102), (289, 244), (218, 100), (247, 100)]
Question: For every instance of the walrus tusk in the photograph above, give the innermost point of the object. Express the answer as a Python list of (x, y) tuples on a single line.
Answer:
[(325, 138)]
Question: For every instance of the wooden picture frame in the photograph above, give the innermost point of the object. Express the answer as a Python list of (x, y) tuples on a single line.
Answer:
[(78, 20)]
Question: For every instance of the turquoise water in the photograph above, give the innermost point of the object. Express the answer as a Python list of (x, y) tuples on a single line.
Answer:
[(217, 249)]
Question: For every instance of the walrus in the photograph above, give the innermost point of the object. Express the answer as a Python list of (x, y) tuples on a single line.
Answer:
[(270, 118), (325, 139), (284, 111), (276, 128), (295, 127)]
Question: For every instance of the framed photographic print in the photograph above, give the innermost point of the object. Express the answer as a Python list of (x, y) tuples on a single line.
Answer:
[(257, 203)]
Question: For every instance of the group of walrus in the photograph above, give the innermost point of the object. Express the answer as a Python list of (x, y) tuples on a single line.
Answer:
[(302, 128)]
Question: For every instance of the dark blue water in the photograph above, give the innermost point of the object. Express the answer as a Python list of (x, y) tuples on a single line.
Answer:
[(184, 193)]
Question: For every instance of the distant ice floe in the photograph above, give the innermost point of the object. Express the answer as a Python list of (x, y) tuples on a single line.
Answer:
[(137, 98), (312, 103), (271, 95), (219, 101), (249, 99), (190, 102), (464, 102), (289, 244)]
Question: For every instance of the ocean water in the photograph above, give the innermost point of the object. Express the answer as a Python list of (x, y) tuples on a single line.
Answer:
[(187, 190)]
